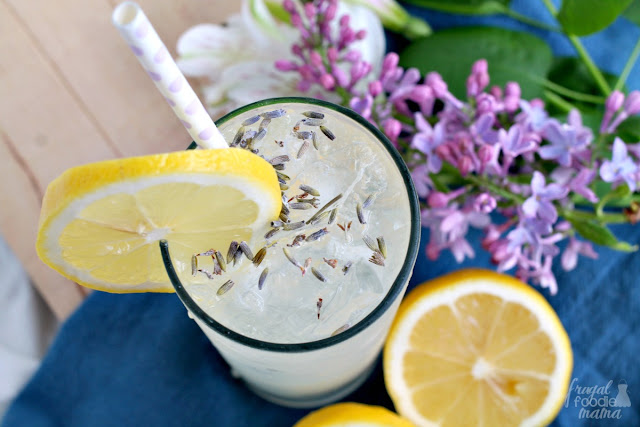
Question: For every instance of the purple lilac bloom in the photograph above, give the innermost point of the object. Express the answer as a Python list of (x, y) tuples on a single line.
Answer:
[(630, 107), (427, 139), (576, 247), (540, 203), (620, 168), (566, 140), (580, 183), (362, 105), (533, 116), (448, 228), (482, 129), (515, 141), (611, 106), (421, 180), (484, 203), (540, 273)]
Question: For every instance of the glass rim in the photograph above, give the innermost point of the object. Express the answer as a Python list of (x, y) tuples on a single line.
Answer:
[(394, 291)]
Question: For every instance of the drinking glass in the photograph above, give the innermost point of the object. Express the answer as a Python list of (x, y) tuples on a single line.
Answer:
[(309, 374)]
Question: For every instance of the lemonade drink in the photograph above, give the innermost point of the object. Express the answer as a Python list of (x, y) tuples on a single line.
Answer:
[(303, 323)]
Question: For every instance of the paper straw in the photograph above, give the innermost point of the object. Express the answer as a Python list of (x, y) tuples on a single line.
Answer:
[(135, 28)]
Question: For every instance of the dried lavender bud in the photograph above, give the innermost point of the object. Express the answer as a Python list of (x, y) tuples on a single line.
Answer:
[(263, 277), (250, 121), (313, 115), (244, 247), (370, 243), (360, 214), (225, 287), (194, 265), (312, 122), (297, 240), (271, 233), (274, 114), (346, 267), (332, 262), (300, 206), (377, 258), (318, 275), (233, 248), (279, 159), (261, 134), (310, 190), (334, 213), (304, 134), (325, 207), (317, 235), (368, 201), (382, 246), (257, 259), (293, 225), (290, 257), (283, 176), (327, 133), (303, 149), (264, 124), (220, 260), (238, 137)]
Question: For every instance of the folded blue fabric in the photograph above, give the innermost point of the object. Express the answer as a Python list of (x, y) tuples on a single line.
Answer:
[(125, 360)]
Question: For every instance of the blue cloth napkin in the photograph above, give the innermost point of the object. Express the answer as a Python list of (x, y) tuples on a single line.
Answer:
[(124, 360)]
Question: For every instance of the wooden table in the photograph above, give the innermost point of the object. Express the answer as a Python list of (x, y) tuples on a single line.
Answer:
[(71, 92)]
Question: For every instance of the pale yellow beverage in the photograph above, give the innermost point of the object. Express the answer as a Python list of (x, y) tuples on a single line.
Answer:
[(304, 322)]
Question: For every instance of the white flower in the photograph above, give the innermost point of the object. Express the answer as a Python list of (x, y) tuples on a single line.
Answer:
[(235, 62)]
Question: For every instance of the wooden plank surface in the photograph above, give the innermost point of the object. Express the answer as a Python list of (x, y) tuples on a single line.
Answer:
[(71, 92)]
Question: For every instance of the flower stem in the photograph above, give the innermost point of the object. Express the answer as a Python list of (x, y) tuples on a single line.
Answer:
[(530, 21), (628, 66), (558, 101), (604, 218), (481, 181), (578, 96), (584, 55)]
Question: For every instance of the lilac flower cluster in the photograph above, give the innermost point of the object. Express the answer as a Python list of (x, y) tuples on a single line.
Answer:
[(324, 51), (492, 161)]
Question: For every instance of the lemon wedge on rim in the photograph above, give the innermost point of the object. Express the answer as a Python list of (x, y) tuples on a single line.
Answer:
[(100, 223)]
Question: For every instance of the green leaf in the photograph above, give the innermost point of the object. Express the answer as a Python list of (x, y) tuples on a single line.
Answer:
[(629, 130), (468, 7), (632, 13), (512, 56), (570, 72), (600, 235), (584, 17)]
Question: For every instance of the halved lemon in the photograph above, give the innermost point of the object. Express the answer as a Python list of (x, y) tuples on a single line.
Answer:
[(477, 348), (100, 223), (353, 415)]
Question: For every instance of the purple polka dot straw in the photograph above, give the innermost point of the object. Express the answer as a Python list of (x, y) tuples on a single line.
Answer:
[(135, 28)]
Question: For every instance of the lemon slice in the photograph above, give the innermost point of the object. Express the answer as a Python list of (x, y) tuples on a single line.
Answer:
[(477, 348), (100, 223), (353, 415)]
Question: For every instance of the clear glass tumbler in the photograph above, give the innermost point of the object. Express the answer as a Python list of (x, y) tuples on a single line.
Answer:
[(309, 374)]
